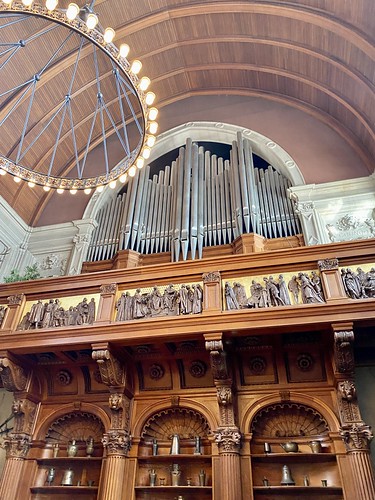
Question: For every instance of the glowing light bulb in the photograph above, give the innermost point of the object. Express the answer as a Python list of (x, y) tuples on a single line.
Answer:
[(123, 178), (31, 184), (153, 127), (87, 191), (140, 162), (72, 11), (136, 67), (144, 83), (2, 172), (146, 152), (46, 188), (124, 50), (152, 113), (91, 21), (7, 2), (60, 190), (100, 189), (73, 191), (132, 171), (151, 139), (27, 3), (109, 35), (17, 179), (150, 98), (112, 184), (51, 4)]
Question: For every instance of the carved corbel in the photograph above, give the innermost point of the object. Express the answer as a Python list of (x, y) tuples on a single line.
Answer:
[(343, 349), (357, 437), (119, 405), (111, 370), (228, 439), (218, 359), (13, 376), (24, 412), (17, 445), (117, 442)]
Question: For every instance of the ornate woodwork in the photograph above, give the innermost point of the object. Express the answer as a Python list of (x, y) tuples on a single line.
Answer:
[(77, 425), (13, 376), (185, 422), (111, 369), (343, 349)]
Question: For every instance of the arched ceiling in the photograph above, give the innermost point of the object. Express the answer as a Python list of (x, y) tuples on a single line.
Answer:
[(316, 56)]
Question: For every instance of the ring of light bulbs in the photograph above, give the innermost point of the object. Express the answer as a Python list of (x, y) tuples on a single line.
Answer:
[(87, 28)]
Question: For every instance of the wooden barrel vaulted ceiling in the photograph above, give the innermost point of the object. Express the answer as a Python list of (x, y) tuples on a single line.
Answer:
[(313, 55)]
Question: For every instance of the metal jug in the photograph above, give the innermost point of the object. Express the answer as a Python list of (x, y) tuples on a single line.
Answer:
[(286, 478), (290, 447), (67, 479), (316, 446), (175, 447)]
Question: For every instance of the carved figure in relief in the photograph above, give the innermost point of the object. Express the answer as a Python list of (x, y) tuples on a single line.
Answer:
[(2, 313), (258, 295), (138, 311), (91, 312), (120, 307), (48, 314), (240, 293), (170, 299), (197, 299), (83, 312), (273, 292), (361, 276), (230, 297), (183, 299), (294, 288), (309, 293), (352, 284), (189, 304), (284, 295), (36, 314), (370, 283), (155, 301)]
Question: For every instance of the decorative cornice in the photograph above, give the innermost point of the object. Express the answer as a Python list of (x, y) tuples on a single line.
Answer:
[(117, 442)]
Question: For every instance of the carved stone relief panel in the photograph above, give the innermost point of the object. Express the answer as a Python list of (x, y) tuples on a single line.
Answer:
[(3, 310), (59, 312), (52, 264), (255, 292), (350, 227), (156, 301), (359, 281)]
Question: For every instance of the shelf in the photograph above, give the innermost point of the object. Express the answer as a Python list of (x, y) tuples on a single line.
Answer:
[(63, 460), (303, 490), (171, 458), (173, 488), (294, 457), (64, 489)]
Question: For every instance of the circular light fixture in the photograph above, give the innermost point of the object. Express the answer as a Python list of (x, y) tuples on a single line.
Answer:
[(61, 33), (100, 189), (72, 191), (146, 152)]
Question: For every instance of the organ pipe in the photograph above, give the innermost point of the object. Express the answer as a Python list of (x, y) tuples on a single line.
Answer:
[(200, 200)]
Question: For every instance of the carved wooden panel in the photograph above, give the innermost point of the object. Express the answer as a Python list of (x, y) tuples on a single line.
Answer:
[(304, 364), (257, 366), (93, 380), (195, 372), (76, 425), (61, 381), (288, 420), (154, 375)]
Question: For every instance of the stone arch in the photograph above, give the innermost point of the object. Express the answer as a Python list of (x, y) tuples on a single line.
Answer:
[(225, 133), (310, 402)]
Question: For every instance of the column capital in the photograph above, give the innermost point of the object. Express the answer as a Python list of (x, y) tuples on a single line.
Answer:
[(117, 442), (357, 437), (228, 439), (17, 445)]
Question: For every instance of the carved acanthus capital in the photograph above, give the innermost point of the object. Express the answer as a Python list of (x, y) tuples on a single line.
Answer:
[(108, 289), (13, 376), (228, 439), (24, 412), (117, 442), (212, 277), (343, 347), (305, 208), (16, 300), (328, 264), (17, 445), (357, 437), (111, 370)]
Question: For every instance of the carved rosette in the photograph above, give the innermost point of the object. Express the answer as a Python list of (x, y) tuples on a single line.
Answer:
[(108, 289), (12, 375), (117, 442), (111, 370), (212, 277), (343, 346), (228, 439), (328, 264), (17, 445), (356, 437)]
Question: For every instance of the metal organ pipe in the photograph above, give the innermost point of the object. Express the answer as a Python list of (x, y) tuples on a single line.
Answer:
[(200, 200)]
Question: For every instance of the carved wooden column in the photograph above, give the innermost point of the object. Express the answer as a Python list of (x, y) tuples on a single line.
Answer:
[(331, 280), (17, 444), (117, 440), (227, 435), (106, 305), (13, 314), (211, 292), (354, 432)]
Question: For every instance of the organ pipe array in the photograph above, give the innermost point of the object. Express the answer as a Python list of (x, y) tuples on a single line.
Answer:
[(200, 200)]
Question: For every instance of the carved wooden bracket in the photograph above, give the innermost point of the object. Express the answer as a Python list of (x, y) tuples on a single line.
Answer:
[(343, 349), (117, 442), (119, 405), (13, 376), (111, 369), (348, 404), (17, 445), (356, 437), (228, 439), (24, 412), (218, 358)]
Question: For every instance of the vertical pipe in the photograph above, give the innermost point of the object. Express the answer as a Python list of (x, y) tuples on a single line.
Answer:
[(185, 218), (194, 202)]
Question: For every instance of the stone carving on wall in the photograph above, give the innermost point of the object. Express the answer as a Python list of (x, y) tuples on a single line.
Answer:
[(304, 288), (172, 302), (51, 314), (52, 265), (3, 310), (358, 285), (349, 227)]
